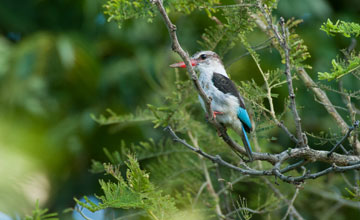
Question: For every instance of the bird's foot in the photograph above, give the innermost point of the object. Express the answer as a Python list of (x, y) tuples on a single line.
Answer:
[(217, 113)]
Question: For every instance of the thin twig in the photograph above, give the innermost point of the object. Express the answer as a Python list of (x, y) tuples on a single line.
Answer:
[(282, 197), (347, 98), (291, 203), (201, 189), (285, 45), (260, 46), (344, 150), (223, 187), (229, 186), (332, 196), (331, 211), (294, 166), (355, 125), (332, 105)]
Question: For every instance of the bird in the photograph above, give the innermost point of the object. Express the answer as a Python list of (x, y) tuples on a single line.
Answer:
[(227, 104)]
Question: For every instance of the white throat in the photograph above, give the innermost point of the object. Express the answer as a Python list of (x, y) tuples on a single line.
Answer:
[(214, 67)]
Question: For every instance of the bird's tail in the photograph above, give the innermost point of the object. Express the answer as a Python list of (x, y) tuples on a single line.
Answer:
[(246, 142)]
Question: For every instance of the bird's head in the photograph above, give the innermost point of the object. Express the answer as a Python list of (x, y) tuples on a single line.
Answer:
[(202, 60)]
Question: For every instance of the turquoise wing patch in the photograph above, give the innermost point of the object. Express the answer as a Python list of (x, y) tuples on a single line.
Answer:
[(244, 117)]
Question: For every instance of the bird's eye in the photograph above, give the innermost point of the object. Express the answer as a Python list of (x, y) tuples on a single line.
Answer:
[(203, 56)]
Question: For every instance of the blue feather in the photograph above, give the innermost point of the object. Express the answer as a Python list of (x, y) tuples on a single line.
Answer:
[(244, 117), (247, 140)]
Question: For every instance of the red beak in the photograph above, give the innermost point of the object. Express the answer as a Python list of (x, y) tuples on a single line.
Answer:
[(182, 64)]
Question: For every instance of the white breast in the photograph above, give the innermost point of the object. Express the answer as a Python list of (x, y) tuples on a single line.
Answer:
[(226, 103)]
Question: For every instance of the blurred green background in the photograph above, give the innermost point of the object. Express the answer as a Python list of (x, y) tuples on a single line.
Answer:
[(60, 62)]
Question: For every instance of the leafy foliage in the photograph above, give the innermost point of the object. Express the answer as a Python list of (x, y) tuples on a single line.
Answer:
[(144, 150), (41, 214), (135, 192), (121, 10), (175, 110), (298, 50), (187, 6), (340, 68), (347, 29), (223, 36), (43, 75), (123, 120)]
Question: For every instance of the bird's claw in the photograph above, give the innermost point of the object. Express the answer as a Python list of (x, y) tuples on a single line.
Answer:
[(217, 113)]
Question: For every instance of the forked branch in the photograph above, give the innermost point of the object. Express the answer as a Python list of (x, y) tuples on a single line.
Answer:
[(275, 171)]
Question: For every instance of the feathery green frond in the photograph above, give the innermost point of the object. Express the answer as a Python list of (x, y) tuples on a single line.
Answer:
[(347, 29), (340, 68), (121, 10), (351, 63), (144, 150), (41, 214), (135, 192), (124, 120), (187, 6), (176, 108), (242, 206), (298, 50), (223, 36)]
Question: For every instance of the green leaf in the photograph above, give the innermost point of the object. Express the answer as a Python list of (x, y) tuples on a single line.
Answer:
[(347, 29), (340, 68)]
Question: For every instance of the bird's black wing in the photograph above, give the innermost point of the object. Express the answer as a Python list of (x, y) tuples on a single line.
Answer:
[(225, 85)]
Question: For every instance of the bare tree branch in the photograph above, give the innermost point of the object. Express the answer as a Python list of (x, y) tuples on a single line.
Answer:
[(313, 155)]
